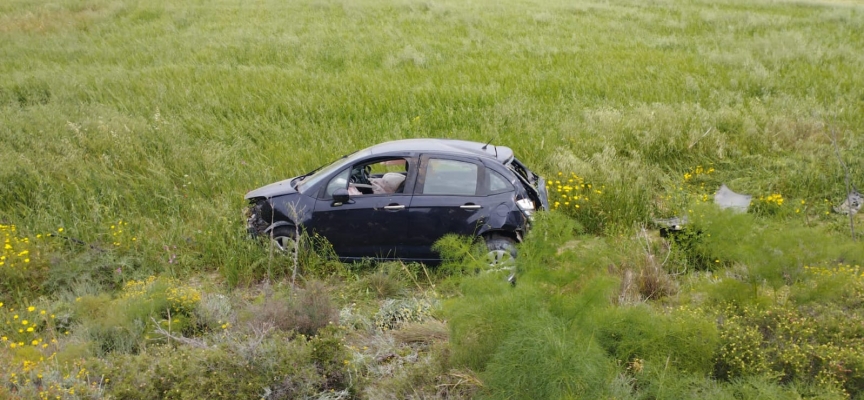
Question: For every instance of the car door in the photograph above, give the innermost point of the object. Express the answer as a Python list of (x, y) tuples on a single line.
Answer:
[(368, 225), (447, 199)]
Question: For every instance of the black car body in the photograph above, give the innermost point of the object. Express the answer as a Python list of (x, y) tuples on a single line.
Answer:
[(437, 187)]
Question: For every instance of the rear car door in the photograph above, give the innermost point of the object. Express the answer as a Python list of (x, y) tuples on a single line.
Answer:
[(447, 199)]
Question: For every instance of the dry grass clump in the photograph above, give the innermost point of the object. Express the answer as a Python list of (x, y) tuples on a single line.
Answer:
[(304, 310), (424, 332), (643, 276), (645, 281), (413, 363), (383, 285)]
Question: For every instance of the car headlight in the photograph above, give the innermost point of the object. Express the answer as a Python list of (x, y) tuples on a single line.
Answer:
[(527, 207)]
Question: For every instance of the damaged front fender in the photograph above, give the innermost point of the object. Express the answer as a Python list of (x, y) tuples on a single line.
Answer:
[(264, 215)]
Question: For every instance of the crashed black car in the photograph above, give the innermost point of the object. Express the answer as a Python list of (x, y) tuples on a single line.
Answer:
[(395, 199)]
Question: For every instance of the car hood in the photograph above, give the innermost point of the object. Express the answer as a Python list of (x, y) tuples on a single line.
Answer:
[(274, 189)]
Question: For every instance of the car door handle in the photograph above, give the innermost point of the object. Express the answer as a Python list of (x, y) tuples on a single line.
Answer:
[(470, 206), (394, 207)]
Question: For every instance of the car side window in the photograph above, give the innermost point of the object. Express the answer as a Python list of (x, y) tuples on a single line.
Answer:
[(340, 181), (450, 177), (496, 183), (380, 176)]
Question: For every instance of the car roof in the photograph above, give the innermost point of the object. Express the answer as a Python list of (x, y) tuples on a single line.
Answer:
[(451, 146)]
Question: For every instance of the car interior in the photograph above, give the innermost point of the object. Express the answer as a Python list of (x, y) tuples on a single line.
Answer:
[(380, 177)]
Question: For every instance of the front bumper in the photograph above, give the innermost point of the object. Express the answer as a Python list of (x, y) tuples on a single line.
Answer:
[(255, 224)]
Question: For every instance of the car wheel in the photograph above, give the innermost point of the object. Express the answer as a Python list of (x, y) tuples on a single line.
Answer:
[(502, 252), (284, 240)]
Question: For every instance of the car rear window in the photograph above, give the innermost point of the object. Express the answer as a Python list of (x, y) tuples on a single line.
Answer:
[(496, 183)]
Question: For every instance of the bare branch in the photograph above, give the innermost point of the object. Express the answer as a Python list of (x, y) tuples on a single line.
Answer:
[(849, 186), (296, 215), (187, 341), (272, 243), (700, 138)]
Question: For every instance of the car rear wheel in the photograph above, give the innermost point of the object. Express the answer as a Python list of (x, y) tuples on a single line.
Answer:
[(284, 240), (502, 251)]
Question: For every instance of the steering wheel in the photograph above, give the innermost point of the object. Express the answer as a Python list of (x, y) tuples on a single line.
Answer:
[(361, 175)]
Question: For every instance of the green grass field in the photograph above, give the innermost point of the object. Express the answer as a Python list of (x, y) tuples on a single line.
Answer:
[(130, 131)]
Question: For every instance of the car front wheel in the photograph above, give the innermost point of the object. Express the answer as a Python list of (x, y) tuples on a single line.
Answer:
[(284, 240)]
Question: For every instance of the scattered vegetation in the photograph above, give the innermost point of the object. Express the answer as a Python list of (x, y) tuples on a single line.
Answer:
[(129, 134)]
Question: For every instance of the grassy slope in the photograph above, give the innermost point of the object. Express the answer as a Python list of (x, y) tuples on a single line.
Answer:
[(107, 107), (164, 114)]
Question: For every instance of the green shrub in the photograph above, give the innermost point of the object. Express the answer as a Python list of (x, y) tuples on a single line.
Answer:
[(331, 359), (572, 363), (390, 279), (773, 252), (28, 377), (283, 369), (461, 255), (426, 376), (122, 324), (549, 234), (685, 342), (821, 349), (610, 201), (395, 312), (483, 318), (24, 265)]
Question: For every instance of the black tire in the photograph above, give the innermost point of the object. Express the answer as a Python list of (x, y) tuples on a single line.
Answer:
[(284, 240), (502, 251)]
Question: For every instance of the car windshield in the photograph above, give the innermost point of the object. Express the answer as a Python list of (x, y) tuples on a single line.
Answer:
[(324, 172)]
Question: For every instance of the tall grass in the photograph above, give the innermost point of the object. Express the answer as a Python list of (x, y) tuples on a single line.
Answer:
[(166, 114)]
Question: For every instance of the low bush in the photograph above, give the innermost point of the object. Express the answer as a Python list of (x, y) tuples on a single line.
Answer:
[(426, 376), (684, 342), (303, 310), (573, 364), (122, 324), (462, 256), (389, 280), (282, 370), (395, 312), (24, 265), (814, 343)]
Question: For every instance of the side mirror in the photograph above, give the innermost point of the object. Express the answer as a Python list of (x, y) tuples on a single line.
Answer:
[(340, 197)]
